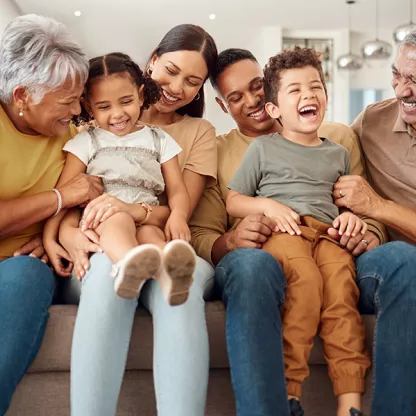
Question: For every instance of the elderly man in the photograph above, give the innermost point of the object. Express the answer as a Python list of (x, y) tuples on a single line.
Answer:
[(386, 276), (250, 281)]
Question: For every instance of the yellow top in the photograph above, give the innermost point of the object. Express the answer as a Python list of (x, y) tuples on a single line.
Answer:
[(210, 219), (28, 165)]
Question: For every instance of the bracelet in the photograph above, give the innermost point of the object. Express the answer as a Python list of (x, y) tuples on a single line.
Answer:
[(58, 194), (148, 210)]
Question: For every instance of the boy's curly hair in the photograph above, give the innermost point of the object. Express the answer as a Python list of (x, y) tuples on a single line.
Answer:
[(289, 59), (118, 63)]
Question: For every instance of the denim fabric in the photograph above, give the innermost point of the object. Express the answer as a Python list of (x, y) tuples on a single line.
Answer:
[(252, 285), (386, 277), (26, 290), (102, 337)]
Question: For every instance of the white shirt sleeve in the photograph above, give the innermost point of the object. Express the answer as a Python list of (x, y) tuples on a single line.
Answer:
[(80, 146), (168, 148)]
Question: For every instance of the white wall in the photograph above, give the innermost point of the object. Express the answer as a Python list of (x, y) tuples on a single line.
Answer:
[(9, 11)]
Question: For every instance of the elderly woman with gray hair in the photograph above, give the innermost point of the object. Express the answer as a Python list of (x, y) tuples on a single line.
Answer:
[(42, 74)]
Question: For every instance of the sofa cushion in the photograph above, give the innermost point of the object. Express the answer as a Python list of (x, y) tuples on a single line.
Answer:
[(55, 352)]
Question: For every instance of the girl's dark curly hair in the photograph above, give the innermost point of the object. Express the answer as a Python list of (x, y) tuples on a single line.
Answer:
[(289, 59), (118, 63)]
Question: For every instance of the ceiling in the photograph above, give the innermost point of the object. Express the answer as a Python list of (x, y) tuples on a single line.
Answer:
[(136, 25)]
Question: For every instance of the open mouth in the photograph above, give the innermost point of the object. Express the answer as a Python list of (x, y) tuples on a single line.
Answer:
[(310, 112), (259, 114), (119, 126), (408, 105), (65, 121), (170, 99)]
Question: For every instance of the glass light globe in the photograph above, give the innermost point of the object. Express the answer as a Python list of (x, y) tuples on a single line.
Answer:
[(402, 31), (349, 62)]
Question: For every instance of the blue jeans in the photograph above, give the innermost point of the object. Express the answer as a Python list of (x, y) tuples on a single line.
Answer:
[(26, 290), (102, 337), (252, 285), (386, 277)]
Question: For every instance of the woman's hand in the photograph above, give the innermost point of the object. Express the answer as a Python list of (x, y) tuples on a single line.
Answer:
[(57, 256), (177, 228), (80, 189), (102, 208), (33, 248), (78, 244)]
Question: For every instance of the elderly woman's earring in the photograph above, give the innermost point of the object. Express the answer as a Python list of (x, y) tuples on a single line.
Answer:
[(149, 71), (21, 113), (197, 97)]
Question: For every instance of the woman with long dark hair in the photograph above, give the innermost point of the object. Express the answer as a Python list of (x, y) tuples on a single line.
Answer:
[(180, 64)]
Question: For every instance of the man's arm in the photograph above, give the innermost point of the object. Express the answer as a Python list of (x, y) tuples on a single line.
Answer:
[(208, 222), (357, 163), (360, 197), (209, 225), (399, 217)]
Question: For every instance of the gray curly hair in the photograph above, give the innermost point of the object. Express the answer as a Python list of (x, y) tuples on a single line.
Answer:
[(40, 54)]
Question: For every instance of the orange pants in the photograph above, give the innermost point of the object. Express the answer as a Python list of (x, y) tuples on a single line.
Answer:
[(321, 294)]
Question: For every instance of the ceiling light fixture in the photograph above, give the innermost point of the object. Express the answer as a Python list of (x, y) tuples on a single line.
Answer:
[(376, 50), (402, 31), (349, 61), (212, 16), (77, 13)]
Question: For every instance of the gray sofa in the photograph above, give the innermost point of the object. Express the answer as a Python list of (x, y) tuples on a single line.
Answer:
[(44, 391)]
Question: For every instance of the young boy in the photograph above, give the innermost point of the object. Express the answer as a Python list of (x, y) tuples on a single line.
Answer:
[(290, 177)]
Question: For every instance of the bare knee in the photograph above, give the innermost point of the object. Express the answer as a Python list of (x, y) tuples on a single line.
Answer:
[(119, 219), (150, 234)]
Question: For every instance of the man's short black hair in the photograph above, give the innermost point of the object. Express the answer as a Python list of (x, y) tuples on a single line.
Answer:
[(227, 58)]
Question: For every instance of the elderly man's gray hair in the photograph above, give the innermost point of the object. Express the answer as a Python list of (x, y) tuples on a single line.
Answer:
[(410, 39), (40, 54)]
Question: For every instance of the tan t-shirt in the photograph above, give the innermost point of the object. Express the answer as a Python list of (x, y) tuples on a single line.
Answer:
[(28, 165), (389, 148), (210, 220), (197, 138)]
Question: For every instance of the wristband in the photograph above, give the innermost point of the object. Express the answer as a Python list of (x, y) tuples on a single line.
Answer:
[(58, 194), (148, 210)]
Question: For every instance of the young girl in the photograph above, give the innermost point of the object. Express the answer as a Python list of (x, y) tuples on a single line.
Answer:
[(135, 162)]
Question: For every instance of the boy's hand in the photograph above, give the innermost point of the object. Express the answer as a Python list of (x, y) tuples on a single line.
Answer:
[(56, 254), (349, 224), (177, 228), (287, 220)]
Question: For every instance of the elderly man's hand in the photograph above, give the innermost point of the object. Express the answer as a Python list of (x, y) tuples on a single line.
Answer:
[(355, 193), (355, 245)]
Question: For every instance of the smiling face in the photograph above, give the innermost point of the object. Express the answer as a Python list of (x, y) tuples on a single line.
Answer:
[(52, 115), (241, 88), (301, 100), (404, 82), (181, 74), (115, 102)]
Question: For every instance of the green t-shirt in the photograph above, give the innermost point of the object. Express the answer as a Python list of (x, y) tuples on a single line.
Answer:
[(300, 177)]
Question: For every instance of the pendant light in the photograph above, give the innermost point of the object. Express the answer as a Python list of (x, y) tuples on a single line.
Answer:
[(349, 61), (400, 33), (376, 50)]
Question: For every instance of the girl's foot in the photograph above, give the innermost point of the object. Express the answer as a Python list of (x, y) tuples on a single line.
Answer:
[(138, 265), (176, 276)]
